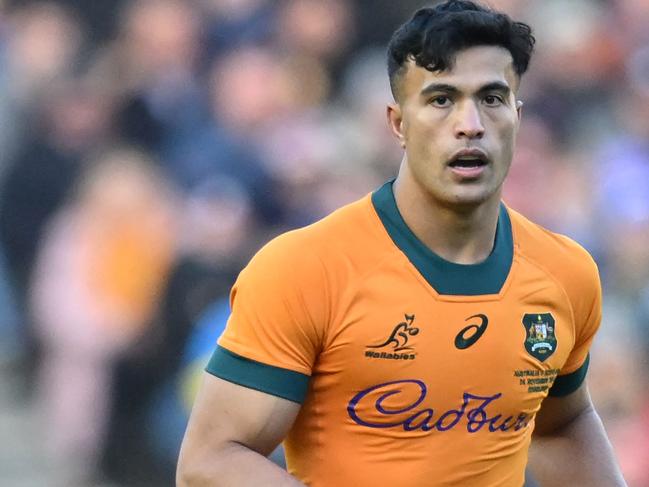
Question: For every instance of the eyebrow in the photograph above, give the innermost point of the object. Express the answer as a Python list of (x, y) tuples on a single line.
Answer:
[(498, 86), (439, 88)]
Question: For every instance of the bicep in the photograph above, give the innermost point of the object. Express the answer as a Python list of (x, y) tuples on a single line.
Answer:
[(557, 412), (225, 413)]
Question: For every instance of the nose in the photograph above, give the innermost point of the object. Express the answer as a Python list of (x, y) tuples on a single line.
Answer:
[(468, 124)]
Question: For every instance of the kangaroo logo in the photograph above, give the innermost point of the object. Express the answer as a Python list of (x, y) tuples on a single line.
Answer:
[(399, 336)]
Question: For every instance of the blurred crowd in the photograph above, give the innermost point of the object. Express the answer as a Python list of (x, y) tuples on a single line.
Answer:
[(149, 147)]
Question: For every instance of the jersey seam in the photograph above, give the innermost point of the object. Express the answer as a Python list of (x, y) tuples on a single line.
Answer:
[(324, 332), (319, 329), (358, 282), (560, 285)]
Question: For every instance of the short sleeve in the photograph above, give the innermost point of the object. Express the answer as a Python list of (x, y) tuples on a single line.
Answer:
[(275, 329), (587, 309)]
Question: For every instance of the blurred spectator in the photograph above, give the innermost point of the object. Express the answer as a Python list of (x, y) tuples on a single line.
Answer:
[(99, 18), (622, 185), (42, 42), (235, 23), (72, 121), (216, 237), (319, 30), (247, 89), (99, 275), (154, 62)]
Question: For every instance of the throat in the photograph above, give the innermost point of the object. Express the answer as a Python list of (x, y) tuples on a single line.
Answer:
[(458, 242), (465, 252), (461, 237)]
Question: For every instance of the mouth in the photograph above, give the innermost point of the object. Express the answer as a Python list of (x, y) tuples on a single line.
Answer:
[(468, 164)]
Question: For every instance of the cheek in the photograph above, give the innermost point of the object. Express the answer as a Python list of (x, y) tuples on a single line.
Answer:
[(418, 136), (507, 135), (426, 131)]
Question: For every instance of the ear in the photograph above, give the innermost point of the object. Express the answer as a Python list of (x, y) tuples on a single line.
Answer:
[(395, 121)]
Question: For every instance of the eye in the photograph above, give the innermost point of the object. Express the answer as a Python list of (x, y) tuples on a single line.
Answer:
[(441, 101), (493, 100)]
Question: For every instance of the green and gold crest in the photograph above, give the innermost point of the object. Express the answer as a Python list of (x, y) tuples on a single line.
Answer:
[(540, 340)]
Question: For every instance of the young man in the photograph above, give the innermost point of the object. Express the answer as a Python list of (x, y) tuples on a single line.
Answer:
[(418, 336)]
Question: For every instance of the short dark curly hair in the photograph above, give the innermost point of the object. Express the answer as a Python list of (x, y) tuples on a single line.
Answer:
[(434, 35)]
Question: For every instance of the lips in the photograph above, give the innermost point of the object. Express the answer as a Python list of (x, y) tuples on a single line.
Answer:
[(468, 163), (468, 158)]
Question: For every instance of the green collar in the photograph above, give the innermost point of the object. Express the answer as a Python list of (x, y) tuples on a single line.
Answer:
[(447, 277)]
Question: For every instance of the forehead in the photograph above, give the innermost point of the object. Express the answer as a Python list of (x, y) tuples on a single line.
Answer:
[(472, 68)]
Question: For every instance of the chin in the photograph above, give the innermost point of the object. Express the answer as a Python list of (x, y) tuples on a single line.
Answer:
[(470, 198)]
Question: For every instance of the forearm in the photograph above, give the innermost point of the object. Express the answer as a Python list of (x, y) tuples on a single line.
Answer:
[(233, 465), (577, 455)]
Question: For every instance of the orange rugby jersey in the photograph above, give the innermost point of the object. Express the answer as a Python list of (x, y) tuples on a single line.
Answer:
[(411, 370)]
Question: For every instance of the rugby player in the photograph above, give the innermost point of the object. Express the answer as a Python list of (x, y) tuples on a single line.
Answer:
[(426, 334)]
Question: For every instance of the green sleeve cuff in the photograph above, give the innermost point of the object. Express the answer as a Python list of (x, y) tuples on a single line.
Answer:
[(277, 381), (569, 383)]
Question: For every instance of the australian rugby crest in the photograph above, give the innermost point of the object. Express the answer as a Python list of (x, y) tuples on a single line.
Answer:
[(540, 340)]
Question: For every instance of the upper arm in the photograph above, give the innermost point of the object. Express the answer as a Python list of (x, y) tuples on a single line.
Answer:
[(279, 310), (568, 397), (259, 373), (585, 294), (225, 413), (570, 446), (559, 411)]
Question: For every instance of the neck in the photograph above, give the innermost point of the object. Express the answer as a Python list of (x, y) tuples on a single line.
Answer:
[(459, 234)]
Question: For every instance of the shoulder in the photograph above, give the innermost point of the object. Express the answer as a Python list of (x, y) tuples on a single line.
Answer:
[(300, 275), (558, 255), (347, 235), (550, 249)]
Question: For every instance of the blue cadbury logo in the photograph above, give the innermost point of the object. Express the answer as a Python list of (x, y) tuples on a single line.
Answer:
[(410, 418)]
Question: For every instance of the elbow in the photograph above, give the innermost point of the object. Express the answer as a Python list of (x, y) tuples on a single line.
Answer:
[(203, 466), (202, 469), (191, 473)]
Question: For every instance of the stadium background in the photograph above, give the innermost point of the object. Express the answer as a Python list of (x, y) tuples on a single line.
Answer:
[(149, 147)]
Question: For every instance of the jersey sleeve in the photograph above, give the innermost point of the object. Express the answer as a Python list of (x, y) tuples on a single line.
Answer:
[(587, 309), (275, 330)]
